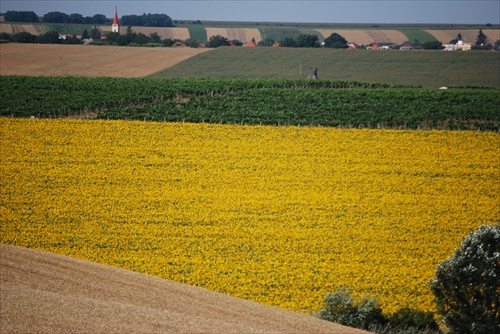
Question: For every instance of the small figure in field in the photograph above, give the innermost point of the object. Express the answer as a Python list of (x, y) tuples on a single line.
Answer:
[(313, 73)]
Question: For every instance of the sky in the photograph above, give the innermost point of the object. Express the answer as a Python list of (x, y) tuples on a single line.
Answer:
[(326, 11)]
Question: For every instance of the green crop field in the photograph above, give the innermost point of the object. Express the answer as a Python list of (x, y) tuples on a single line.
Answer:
[(251, 101), (416, 68), (418, 36)]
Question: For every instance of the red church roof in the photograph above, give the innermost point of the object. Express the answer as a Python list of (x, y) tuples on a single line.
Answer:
[(115, 21)]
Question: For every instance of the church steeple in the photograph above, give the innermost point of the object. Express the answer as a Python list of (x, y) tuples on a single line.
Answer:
[(116, 25)]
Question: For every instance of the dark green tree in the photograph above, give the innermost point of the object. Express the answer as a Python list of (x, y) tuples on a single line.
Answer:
[(95, 34), (56, 17), (23, 37), (458, 38), (481, 38), (142, 39), (20, 16), (169, 42), (50, 37), (77, 18), (130, 36), (155, 38), (191, 43), (288, 42), (432, 45), (5, 36), (99, 19), (112, 37), (216, 41), (340, 307), (266, 42), (85, 34), (335, 41), (467, 285), (307, 41)]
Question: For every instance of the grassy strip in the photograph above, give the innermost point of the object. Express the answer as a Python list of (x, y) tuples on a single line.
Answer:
[(418, 36), (197, 33), (415, 68)]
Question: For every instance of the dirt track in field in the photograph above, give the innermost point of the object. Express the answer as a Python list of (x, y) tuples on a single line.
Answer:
[(46, 293), (88, 60)]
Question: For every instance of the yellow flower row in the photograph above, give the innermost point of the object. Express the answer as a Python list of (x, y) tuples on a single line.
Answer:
[(279, 215)]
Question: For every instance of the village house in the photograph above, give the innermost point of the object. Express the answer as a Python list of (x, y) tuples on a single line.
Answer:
[(251, 44), (352, 45)]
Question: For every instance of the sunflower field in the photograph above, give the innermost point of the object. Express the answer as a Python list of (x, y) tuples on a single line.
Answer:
[(277, 215)]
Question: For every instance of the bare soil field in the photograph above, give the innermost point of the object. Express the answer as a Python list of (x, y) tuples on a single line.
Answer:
[(42, 292), (366, 36), (470, 36), (88, 60)]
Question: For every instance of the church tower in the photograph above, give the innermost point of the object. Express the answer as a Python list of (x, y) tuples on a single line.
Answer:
[(116, 25)]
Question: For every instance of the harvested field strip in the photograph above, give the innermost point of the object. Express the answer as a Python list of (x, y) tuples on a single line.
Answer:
[(111, 61), (12, 28), (216, 31), (386, 36), (355, 36), (252, 33), (48, 293), (367, 36), (469, 36)]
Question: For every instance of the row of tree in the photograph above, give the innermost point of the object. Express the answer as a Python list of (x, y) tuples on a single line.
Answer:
[(54, 17), (146, 20)]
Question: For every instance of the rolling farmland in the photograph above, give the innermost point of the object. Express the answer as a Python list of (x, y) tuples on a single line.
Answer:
[(245, 32), (232, 173)]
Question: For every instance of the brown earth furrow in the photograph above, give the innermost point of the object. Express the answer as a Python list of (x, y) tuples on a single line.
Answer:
[(49, 293)]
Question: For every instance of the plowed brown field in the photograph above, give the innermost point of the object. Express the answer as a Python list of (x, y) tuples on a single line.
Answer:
[(47, 293), (88, 60), (470, 36)]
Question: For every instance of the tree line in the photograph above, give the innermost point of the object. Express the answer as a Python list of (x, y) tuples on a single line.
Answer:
[(146, 20), (54, 17)]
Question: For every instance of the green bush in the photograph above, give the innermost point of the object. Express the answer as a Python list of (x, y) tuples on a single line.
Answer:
[(467, 285), (341, 308), (409, 318)]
